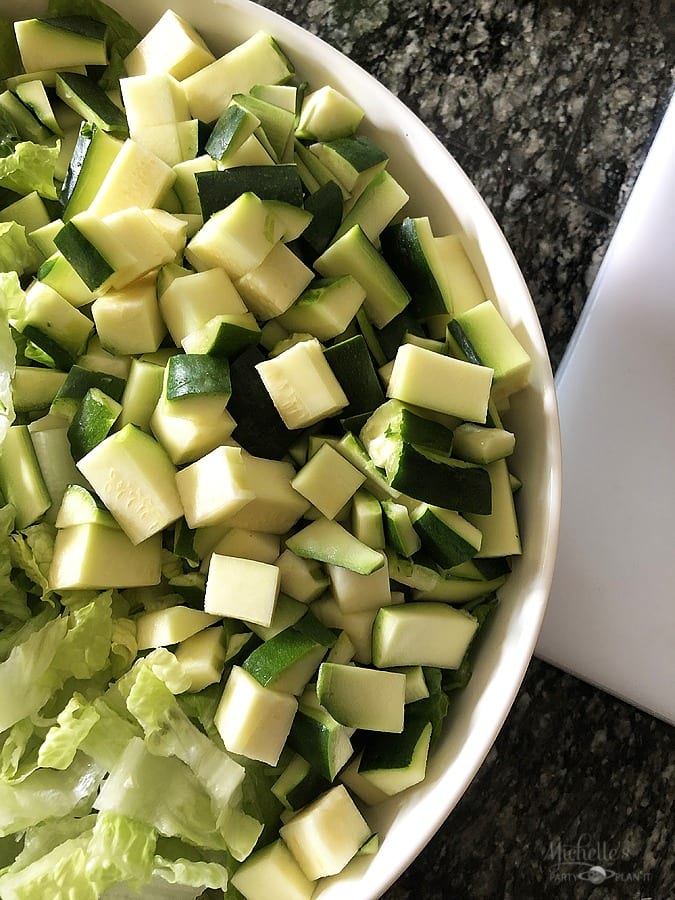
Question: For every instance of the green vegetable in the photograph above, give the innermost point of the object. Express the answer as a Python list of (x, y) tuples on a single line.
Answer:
[(29, 167), (121, 36)]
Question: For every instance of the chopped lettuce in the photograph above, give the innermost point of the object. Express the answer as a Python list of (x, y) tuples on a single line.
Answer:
[(63, 739), (162, 792), (114, 849), (30, 167), (27, 677), (191, 874), (18, 757), (48, 794), (110, 734), (16, 253), (170, 732), (31, 551), (13, 602)]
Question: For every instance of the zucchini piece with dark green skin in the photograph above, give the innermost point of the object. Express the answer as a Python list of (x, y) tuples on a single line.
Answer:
[(441, 481), (260, 428), (326, 205), (27, 125), (223, 336), (445, 535), (410, 250), (21, 480), (230, 131), (84, 95), (353, 254), (193, 374), (391, 336), (353, 367), (61, 42), (94, 153), (93, 419), (219, 188), (78, 381)]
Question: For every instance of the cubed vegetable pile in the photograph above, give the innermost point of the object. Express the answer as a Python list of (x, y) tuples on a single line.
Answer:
[(256, 495)]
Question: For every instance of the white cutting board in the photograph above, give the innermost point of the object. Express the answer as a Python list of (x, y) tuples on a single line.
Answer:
[(611, 614)]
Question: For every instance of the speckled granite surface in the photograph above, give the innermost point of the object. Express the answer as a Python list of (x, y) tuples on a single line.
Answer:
[(550, 107)]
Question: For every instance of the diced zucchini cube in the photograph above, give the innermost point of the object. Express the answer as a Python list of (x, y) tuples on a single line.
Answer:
[(301, 384), (128, 321), (302, 579), (258, 59), (375, 207), (362, 698), (441, 383), (135, 178), (497, 346), (172, 45), (273, 864), (448, 538), (460, 276), (326, 308), (46, 312), (401, 762), (241, 588), (136, 480), (252, 720), (327, 541), (45, 44), (237, 238), (141, 393), (153, 99), (270, 288), (287, 661), (202, 657), (481, 444), (214, 487), (188, 303), (328, 481), (327, 114), (353, 160), (275, 506), (91, 556), (500, 531), (354, 592), (325, 835), (361, 787), (164, 627), (422, 634), (367, 523), (357, 625), (354, 254)]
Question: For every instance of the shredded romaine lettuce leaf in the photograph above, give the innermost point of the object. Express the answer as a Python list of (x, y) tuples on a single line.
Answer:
[(30, 167), (16, 252), (13, 602), (48, 794), (31, 551), (63, 739), (162, 792), (114, 849)]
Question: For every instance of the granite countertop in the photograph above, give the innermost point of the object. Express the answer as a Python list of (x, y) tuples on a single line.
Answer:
[(550, 108)]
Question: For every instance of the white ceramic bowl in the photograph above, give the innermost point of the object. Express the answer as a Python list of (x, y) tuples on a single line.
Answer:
[(440, 189)]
